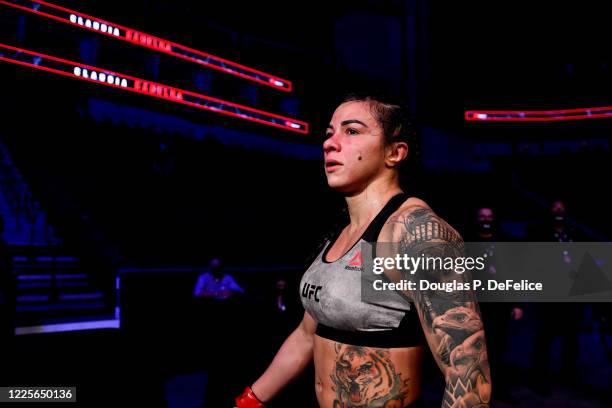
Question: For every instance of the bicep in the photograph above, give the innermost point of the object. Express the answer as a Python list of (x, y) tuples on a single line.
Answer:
[(308, 324)]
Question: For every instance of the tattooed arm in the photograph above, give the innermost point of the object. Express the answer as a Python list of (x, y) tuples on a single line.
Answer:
[(451, 320)]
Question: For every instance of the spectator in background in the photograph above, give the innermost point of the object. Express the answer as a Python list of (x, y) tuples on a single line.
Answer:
[(285, 312), (556, 229), (218, 297), (496, 316), (281, 302), (215, 284)]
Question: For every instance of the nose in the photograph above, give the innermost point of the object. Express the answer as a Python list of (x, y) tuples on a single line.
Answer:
[(331, 144)]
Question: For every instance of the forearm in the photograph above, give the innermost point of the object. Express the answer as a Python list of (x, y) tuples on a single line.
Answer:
[(472, 395), (464, 360), (457, 340), (290, 361), (456, 337)]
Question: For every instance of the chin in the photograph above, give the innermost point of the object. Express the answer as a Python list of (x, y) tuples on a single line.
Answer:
[(339, 185), (333, 181)]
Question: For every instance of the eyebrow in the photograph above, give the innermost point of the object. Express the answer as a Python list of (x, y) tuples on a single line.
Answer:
[(348, 122)]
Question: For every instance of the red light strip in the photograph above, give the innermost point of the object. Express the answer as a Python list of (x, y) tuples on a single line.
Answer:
[(109, 29), (128, 83), (538, 116)]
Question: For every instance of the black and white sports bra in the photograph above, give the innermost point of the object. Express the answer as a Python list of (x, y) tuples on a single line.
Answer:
[(331, 294)]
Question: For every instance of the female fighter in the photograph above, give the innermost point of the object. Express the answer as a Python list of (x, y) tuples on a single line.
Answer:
[(369, 354)]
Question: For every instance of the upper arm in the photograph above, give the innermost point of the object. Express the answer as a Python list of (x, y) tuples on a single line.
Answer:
[(308, 325), (451, 320), (199, 286)]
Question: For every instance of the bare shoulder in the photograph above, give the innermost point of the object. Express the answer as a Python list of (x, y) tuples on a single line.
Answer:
[(412, 204), (415, 221)]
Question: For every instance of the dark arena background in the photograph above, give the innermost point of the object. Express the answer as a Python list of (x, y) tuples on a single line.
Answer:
[(142, 139)]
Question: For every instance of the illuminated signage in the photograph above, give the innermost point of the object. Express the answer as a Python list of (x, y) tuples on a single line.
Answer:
[(64, 15), (113, 79)]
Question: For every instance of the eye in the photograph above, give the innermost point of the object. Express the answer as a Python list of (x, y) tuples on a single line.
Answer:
[(352, 131)]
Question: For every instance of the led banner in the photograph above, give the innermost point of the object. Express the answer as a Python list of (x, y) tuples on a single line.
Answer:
[(110, 29), (537, 116), (113, 79)]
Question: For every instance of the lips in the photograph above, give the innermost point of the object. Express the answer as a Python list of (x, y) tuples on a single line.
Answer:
[(330, 164)]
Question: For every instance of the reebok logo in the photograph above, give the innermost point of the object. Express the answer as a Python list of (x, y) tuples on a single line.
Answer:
[(355, 263)]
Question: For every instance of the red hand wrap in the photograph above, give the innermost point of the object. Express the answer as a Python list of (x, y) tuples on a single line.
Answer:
[(248, 399)]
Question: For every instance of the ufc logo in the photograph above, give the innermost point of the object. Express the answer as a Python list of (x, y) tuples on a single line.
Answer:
[(309, 290)]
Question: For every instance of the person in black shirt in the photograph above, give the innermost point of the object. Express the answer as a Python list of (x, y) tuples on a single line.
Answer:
[(496, 315), (556, 229)]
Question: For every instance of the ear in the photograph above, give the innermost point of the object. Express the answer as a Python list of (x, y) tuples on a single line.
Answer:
[(395, 153)]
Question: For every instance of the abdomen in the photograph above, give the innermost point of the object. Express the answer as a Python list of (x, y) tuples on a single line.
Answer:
[(360, 376)]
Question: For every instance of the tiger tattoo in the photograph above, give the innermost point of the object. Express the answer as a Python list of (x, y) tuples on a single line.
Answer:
[(365, 377)]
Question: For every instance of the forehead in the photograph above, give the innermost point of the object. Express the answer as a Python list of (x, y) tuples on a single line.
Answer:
[(485, 212), (359, 110), (557, 205)]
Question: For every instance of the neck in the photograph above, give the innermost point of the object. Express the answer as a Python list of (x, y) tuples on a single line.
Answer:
[(559, 227), (364, 205)]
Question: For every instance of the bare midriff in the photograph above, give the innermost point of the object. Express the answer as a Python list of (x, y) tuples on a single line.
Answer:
[(348, 375)]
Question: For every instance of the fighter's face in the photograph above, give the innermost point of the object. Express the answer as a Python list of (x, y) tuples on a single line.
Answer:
[(354, 147)]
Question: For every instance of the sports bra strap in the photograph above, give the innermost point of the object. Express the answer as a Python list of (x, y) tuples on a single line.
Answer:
[(373, 230)]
